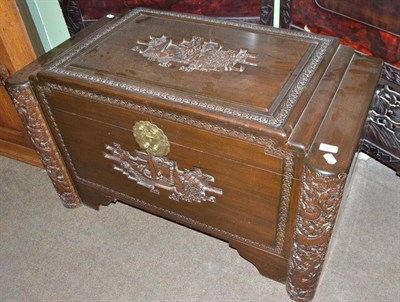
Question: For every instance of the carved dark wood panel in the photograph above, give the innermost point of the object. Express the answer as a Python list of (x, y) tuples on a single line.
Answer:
[(267, 143), (384, 118), (382, 135)]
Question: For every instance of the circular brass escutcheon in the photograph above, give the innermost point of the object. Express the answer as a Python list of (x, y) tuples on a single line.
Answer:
[(151, 138)]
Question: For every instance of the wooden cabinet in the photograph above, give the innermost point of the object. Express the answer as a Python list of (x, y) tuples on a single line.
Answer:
[(15, 52)]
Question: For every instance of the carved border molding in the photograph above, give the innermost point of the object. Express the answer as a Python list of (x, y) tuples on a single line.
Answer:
[(31, 115), (267, 143), (318, 207), (276, 121)]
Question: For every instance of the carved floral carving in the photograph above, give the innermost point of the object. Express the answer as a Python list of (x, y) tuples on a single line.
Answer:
[(319, 203), (30, 114), (155, 172), (194, 54)]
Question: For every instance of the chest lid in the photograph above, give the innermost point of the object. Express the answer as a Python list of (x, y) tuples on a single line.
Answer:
[(252, 75)]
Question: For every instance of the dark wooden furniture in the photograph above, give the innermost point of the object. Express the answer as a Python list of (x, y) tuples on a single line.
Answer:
[(14, 141), (373, 28), (241, 131), (80, 13)]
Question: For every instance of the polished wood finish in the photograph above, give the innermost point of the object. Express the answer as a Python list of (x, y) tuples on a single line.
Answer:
[(244, 165), (15, 52)]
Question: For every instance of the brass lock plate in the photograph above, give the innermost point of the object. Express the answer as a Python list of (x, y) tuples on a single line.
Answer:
[(151, 138)]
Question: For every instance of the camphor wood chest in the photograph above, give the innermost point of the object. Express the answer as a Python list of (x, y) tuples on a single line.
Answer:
[(240, 131)]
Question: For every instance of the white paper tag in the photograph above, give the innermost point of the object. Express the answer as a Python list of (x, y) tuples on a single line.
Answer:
[(328, 148), (330, 159)]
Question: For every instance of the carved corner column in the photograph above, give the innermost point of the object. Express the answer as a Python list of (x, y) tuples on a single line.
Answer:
[(317, 210), (32, 117), (286, 13), (266, 12)]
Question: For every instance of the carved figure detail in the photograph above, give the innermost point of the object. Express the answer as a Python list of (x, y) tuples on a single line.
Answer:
[(194, 54), (156, 173)]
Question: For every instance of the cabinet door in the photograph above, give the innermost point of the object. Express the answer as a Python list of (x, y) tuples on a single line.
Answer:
[(15, 52)]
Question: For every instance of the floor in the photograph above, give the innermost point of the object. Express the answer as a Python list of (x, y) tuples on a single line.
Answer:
[(50, 253)]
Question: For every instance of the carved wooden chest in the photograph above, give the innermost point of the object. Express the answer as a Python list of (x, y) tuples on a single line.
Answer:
[(241, 131)]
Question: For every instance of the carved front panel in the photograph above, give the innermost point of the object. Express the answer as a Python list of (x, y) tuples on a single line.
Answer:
[(254, 210)]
